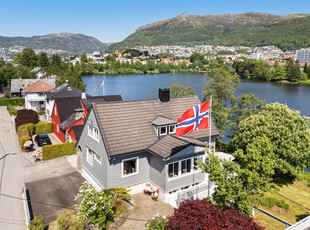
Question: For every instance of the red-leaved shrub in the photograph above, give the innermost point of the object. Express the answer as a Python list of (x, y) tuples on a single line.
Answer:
[(202, 214), (25, 116)]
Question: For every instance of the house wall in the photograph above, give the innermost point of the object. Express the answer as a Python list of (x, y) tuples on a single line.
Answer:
[(30, 104), (116, 178), (49, 104), (97, 172), (157, 171), (56, 122)]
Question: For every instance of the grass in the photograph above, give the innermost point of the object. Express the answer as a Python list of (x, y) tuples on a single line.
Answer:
[(299, 191), (306, 82), (11, 109)]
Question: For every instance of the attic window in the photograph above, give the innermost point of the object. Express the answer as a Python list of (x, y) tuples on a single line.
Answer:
[(69, 88), (163, 130)]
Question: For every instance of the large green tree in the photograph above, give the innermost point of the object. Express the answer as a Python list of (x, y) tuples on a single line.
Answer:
[(27, 58), (287, 131), (43, 59), (240, 184), (177, 90), (222, 86)]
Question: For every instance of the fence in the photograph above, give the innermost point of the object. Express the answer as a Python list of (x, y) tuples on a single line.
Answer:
[(192, 193), (274, 217)]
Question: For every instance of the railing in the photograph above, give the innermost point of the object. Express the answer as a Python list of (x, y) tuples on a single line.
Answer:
[(191, 194), (275, 217), (297, 225)]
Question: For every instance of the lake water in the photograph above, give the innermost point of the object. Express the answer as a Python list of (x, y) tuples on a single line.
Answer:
[(132, 87)]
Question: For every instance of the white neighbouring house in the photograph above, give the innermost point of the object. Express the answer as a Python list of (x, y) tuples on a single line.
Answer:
[(34, 95), (39, 72)]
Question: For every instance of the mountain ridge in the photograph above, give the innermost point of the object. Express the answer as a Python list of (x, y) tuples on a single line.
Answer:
[(73, 43), (226, 29)]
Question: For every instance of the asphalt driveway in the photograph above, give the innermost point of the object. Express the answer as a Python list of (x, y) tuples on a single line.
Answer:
[(52, 186)]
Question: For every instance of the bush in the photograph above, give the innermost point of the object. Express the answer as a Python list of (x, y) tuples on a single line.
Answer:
[(12, 101), (41, 112), (69, 220), (26, 116), (11, 110), (59, 150), (37, 223), (202, 214), (42, 128), (22, 140), (271, 201), (27, 129), (158, 222)]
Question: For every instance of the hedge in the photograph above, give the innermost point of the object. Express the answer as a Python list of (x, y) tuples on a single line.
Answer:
[(11, 110), (43, 128), (12, 101), (59, 150), (27, 129), (22, 141)]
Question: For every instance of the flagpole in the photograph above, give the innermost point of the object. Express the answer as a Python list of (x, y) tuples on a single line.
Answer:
[(210, 108), (103, 90)]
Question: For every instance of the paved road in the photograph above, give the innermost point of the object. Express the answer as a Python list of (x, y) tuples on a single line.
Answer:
[(12, 214)]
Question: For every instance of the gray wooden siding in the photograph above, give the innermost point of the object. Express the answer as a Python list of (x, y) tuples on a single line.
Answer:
[(189, 151), (115, 178), (99, 172), (157, 171)]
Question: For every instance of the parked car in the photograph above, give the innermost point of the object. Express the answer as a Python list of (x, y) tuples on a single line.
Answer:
[(43, 139)]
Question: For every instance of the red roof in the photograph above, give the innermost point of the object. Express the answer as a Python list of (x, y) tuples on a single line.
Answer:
[(37, 87)]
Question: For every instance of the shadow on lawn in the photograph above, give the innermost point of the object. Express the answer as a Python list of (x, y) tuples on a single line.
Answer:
[(281, 179), (301, 216)]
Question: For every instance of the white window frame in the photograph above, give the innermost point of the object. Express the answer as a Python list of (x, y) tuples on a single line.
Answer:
[(174, 128), (97, 155), (131, 174), (192, 171), (89, 157), (93, 132), (55, 111), (57, 128), (161, 134)]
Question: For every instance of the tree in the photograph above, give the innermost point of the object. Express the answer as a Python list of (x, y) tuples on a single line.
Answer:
[(293, 71), (239, 185), (286, 130), (56, 60), (222, 87), (202, 214), (84, 58), (196, 57), (177, 90), (43, 59), (27, 58)]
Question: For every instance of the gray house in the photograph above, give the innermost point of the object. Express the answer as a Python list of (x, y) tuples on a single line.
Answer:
[(131, 143)]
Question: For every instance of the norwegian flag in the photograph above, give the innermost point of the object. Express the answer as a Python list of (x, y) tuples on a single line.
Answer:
[(101, 84), (195, 118)]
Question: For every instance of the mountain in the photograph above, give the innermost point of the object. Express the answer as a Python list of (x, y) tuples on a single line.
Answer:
[(73, 43), (248, 29)]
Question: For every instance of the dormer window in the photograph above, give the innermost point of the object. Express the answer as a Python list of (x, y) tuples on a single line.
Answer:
[(163, 130), (69, 88), (172, 129)]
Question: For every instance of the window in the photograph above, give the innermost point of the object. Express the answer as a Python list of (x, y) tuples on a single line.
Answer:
[(40, 94), (196, 166), (185, 166), (55, 111), (89, 156), (173, 169), (97, 158), (57, 128), (163, 130), (93, 132), (130, 167), (172, 129)]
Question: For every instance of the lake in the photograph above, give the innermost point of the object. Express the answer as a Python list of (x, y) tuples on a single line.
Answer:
[(133, 87)]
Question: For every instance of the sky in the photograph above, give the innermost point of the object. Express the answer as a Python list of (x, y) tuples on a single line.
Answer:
[(113, 21)]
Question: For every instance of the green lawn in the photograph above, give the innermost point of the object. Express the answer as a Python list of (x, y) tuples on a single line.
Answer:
[(298, 191)]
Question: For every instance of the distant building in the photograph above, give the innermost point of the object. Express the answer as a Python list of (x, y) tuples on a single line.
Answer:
[(38, 72), (303, 55), (17, 85), (256, 56)]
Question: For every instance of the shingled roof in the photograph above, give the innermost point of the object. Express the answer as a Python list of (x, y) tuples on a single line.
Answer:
[(38, 87), (64, 91), (99, 99), (67, 106), (17, 84), (126, 126)]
